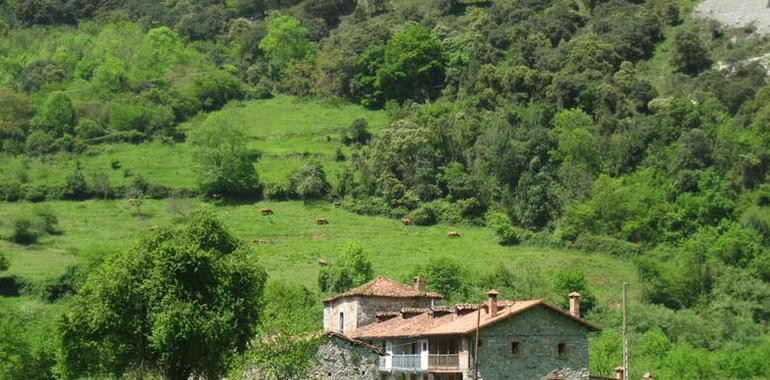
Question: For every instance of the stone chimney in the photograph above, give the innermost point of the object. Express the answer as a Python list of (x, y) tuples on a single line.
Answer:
[(492, 303), (619, 372), (574, 304), (419, 284)]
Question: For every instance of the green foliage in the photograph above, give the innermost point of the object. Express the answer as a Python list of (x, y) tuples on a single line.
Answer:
[(286, 40), (309, 182), (444, 276), (57, 115), (4, 264), (352, 269), (567, 280), (690, 53), (179, 289), (223, 162), (24, 232)]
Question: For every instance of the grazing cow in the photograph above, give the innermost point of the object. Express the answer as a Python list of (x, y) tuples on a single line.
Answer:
[(407, 221), (322, 262), (453, 234), (336, 204), (266, 211), (216, 195), (321, 221)]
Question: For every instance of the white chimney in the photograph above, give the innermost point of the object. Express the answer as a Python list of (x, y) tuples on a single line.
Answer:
[(574, 304), (492, 301)]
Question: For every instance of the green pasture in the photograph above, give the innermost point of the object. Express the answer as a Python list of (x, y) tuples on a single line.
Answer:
[(285, 129)]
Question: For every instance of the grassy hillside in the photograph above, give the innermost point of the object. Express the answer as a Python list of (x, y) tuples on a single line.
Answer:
[(284, 129), (289, 243)]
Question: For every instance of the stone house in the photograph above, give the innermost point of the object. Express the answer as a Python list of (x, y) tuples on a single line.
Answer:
[(424, 340)]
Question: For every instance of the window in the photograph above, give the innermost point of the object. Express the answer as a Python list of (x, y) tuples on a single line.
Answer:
[(515, 348), (342, 322), (425, 346), (481, 342), (561, 350)]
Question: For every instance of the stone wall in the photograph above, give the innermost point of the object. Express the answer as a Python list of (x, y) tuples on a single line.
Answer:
[(340, 359), (538, 331), (361, 311)]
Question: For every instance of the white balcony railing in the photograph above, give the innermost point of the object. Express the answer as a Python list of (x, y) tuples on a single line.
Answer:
[(405, 363)]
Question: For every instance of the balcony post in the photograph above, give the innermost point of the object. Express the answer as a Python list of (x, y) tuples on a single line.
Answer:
[(389, 356), (424, 354)]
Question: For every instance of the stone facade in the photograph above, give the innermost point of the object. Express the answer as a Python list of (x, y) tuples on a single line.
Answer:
[(339, 359), (360, 311), (539, 332)]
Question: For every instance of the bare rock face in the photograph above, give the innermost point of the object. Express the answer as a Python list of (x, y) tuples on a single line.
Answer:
[(737, 13)]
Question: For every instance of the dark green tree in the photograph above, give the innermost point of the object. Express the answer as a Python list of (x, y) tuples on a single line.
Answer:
[(413, 66), (690, 55), (179, 303)]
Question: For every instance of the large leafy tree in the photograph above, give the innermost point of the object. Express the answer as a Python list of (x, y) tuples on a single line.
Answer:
[(413, 66), (690, 53), (286, 40), (57, 115), (179, 304), (223, 162)]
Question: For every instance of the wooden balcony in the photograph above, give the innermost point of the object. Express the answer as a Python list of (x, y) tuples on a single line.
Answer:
[(443, 361)]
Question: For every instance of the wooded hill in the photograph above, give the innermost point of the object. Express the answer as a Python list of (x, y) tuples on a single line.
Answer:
[(621, 127)]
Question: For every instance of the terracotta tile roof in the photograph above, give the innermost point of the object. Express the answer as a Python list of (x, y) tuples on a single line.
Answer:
[(384, 287), (356, 342), (453, 324)]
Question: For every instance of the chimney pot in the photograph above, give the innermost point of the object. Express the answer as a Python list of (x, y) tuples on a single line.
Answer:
[(574, 304), (419, 284), (492, 300), (619, 372)]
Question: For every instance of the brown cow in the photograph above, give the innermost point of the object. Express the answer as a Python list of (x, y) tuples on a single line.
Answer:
[(266, 211), (453, 234), (322, 262), (407, 221), (321, 221)]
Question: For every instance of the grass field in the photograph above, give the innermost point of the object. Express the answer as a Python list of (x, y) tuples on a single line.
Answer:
[(290, 242), (284, 129)]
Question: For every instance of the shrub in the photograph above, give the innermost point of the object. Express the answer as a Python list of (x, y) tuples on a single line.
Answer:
[(47, 221), (76, 186), (357, 133), (68, 283), (424, 215), (24, 232), (309, 181), (39, 143), (4, 264), (606, 244), (11, 191), (277, 192), (471, 208), (507, 235)]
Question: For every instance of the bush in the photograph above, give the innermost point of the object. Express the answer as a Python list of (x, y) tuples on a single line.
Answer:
[(424, 215), (606, 244), (47, 221), (309, 181), (471, 208), (4, 264), (507, 235), (68, 283), (24, 232), (76, 186), (278, 192), (11, 191)]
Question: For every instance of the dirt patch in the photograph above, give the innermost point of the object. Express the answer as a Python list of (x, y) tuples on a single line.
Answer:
[(737, 13)]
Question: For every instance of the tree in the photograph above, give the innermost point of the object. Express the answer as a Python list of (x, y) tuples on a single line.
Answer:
[(286, 40), (690, 54), (413, 66), (223, 163), (444, 276), (309, 181), (179, 303), (353, 269), (57, 115)]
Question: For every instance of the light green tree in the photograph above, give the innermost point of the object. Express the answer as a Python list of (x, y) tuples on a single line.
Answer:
[(286, 40), (223, 163)]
